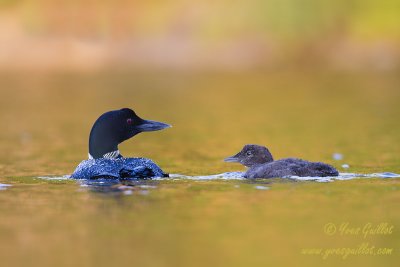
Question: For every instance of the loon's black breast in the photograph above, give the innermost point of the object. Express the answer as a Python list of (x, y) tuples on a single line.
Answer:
[(105, 161)]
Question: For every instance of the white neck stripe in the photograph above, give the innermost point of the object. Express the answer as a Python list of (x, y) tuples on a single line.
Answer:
[(110, 155)]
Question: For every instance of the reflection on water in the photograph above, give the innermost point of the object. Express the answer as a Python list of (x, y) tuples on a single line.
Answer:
[(125, 187)]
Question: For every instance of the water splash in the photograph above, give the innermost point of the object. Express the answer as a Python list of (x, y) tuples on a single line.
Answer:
[(4, 186), (261, 187), (337, 156), (221, 176), (55, 177), (345, 166)]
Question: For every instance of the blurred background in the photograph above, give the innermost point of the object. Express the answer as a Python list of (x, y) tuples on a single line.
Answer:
[(43, 35)]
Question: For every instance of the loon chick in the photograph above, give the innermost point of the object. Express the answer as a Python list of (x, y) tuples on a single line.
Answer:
[(105, 161), (261, 165)]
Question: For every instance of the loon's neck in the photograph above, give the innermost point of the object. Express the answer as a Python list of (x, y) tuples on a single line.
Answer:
[(256, 165), (101, 145)]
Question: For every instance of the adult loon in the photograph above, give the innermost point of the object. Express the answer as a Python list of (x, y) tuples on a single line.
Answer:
[(262, 165), (105, 161)]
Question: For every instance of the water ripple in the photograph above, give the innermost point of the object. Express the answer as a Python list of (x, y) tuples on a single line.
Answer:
[(221, 176), (55, 178), (237, 176)]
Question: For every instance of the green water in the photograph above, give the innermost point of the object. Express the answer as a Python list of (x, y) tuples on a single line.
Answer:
[(182, 222)]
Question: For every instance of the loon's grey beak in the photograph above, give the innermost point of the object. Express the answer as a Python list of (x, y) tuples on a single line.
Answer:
[(231, 159), (149, 126)]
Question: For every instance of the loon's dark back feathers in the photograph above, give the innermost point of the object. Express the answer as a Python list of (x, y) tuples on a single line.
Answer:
[(291, 167)]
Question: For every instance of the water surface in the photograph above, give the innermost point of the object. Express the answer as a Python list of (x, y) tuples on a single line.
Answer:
[(195, 218)]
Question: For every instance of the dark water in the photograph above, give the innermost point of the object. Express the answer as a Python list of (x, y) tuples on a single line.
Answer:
[(194, 219)]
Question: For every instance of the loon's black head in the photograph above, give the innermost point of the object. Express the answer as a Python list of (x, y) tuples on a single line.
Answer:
[(116, 126), (251, 155)]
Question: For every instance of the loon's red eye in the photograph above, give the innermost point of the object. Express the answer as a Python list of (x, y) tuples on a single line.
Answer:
[(129, 121)]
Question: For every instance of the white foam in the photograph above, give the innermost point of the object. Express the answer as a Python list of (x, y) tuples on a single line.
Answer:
[(127, 192), (55, 178), (221, 176), (261, 187), (125, 187), (347, 176), (4, 186), (145, 186)]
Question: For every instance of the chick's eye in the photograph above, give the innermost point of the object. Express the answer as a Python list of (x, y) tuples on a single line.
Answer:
[(248, 153), (129, 121)]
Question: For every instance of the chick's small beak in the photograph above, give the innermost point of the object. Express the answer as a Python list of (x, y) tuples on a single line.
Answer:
[(232, 159)]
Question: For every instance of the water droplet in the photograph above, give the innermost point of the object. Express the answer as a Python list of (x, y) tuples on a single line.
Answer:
[(261, 187), (4, 186), (128, 192), (337, 156)]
